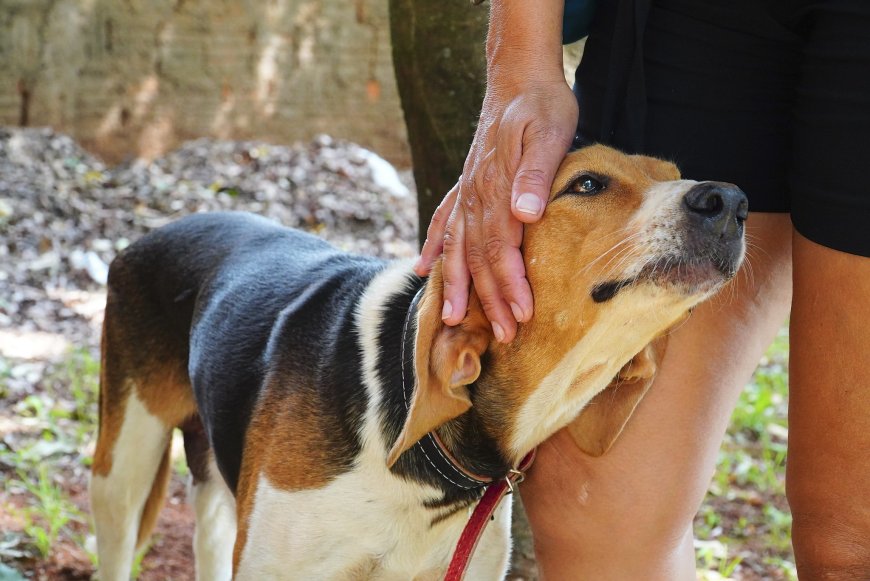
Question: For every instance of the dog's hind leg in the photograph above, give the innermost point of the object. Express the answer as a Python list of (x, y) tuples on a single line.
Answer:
[(144, 394), (214, 506), (130, 474)]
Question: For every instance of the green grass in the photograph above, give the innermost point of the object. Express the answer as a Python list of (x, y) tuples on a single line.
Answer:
[(745, 511), (49, 512), (5, 374), (79, 376), (62, 420)]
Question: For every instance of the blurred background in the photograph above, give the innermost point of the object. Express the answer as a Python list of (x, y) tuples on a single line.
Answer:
[(139, 77), (339, 117)]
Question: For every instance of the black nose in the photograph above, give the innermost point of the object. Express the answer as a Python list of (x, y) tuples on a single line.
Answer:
[(720, 207)]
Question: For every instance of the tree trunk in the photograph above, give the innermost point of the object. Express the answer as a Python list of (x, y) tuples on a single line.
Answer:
[(440, 62)]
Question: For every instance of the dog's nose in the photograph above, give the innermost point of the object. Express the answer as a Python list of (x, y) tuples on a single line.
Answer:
[(720, 207)]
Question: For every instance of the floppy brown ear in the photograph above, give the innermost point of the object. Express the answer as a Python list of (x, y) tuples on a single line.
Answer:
[(446, 360), (605, 416)]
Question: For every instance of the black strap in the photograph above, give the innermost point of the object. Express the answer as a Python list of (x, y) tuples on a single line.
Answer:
[(434, 452)]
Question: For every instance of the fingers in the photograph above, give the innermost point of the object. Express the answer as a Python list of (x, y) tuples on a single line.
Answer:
[(541, 157), (496, 266), (455, 269), (493, 240), (434, 243), (506, 182), (480, 241)]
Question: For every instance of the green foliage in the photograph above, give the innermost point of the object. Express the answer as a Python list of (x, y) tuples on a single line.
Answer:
[(80, 375), (83, 374), (779, 534), (712, 556), (61, 420), (136, 569), (5, 374), (50, 513), (179, 463), (745, 511), (727, 566)]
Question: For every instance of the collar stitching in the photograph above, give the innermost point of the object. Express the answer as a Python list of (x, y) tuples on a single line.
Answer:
[(478, 483)]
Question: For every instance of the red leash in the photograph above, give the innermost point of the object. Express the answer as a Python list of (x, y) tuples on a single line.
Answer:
[(481, 516)]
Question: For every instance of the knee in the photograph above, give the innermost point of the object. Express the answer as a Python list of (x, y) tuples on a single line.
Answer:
[(830, 550), (830, 542), (634, 556), (577, 512), (652, 537)]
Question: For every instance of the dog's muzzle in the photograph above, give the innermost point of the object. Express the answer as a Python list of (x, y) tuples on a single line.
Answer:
[(715, 213)]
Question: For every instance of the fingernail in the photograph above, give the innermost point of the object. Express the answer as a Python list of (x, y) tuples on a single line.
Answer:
[(446, 310), (529, 204), (518, 312), (499, 332)]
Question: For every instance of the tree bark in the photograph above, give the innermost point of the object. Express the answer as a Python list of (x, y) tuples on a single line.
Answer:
[(440, 61)]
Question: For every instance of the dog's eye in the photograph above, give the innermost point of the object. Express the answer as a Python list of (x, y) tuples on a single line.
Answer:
[(586, 185)]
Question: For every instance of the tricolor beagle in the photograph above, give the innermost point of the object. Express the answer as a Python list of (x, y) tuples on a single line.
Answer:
[(334, 427)]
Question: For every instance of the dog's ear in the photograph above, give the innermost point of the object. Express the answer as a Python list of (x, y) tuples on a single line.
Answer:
[(605, 416), (446, 361)]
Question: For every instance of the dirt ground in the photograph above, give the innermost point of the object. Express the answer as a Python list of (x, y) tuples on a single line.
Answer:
[(63, 216)]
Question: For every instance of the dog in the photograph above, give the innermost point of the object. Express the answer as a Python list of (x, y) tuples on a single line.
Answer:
[(334, 427)]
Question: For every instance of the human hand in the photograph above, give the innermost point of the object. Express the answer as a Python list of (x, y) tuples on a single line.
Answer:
[(525, 129)]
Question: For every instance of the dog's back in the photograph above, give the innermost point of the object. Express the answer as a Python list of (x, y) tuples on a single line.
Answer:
[(173, 355), (370, 428)]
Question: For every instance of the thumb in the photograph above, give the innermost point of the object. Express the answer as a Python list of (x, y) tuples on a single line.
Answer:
[(534, 178)]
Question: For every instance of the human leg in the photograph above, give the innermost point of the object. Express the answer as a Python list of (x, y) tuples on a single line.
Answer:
[(828, 476), (628, 514)]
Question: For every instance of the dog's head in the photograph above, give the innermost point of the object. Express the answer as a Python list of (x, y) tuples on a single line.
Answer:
[(620, 224), (624, 251)]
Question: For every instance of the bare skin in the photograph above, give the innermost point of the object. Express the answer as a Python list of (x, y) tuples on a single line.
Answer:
[(628, 514), (526, 126), (646, 490), (828, 473)]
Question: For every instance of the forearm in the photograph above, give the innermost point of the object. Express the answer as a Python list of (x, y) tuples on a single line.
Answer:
[(527, 121), (524, 41)]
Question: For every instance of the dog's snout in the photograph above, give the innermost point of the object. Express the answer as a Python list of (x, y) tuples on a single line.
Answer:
[(721, 207)]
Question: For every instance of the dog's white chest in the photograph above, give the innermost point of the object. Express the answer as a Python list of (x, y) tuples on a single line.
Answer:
[(360, 528)]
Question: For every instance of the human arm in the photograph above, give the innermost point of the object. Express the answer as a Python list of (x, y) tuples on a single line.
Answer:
[(526, 125)]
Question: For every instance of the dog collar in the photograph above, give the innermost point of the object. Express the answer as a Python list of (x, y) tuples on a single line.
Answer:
[(430, 445), (450, 469), (482, 515)]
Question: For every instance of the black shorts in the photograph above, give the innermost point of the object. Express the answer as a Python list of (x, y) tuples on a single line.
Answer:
[(772, 95)]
